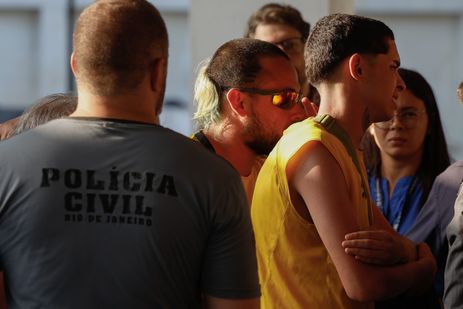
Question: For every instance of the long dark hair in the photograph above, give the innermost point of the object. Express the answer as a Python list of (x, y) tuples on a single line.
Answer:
[(435, 154)]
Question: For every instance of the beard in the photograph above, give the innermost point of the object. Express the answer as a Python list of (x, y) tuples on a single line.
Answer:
[(257, 139)]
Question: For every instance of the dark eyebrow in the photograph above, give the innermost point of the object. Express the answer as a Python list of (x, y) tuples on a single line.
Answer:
[(408, 108)]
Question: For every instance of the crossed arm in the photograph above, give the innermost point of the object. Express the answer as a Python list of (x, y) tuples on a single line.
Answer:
[(222, 303), (318, 179), (381, 244)]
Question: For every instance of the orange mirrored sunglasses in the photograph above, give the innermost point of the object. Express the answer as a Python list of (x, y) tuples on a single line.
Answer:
[(285, 98)]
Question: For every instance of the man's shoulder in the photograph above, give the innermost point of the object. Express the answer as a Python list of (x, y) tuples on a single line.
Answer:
[(452, 176)]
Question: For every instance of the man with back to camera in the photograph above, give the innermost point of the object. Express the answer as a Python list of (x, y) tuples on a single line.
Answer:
[(313, 188), (246, 95), (113, 210)]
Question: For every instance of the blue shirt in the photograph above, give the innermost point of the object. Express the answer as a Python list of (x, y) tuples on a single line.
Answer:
[(400, 217)]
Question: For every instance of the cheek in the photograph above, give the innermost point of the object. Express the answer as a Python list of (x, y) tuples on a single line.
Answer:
[(278, 123), (380, 138), (418, 136)]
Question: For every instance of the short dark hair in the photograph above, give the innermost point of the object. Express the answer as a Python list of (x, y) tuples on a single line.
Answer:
[(114, 43), (435, 153), (338, 36), (50, 107), (274, 13), (460, 91), (234, 64)]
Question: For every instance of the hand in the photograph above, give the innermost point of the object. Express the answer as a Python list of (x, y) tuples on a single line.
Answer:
[(311, 109), (380, 247)]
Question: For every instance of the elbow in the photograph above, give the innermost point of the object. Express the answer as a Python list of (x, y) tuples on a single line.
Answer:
[(360, 295), (366, 291)]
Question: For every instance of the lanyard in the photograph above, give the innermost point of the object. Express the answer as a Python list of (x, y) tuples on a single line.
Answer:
[(406, 205), (201, 137), (329, 123)]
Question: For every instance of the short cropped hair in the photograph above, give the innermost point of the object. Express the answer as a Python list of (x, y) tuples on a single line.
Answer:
[(274, 13), (338, 36), (234, 64), (115, 41), (50, 107)]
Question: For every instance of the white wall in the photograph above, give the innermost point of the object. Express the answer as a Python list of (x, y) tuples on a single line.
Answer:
[(35, 48), (18, 73), (215, 22)]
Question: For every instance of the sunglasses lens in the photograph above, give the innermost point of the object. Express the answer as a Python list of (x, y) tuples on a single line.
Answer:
[(278, 99), (284, 98)]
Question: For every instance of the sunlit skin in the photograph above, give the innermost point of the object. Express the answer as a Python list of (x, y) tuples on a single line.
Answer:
[(384, 79), (375, 85), (275, 33), (267, 121), (252, 124), (363, 89)]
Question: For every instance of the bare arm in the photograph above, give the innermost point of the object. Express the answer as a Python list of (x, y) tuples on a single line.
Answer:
[(319, 181), (380, 245), (211, 302)]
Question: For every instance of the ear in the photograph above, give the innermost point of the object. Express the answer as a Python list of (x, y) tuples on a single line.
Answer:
[(158, 74), (235, 101), (73, 64), (355, 66)]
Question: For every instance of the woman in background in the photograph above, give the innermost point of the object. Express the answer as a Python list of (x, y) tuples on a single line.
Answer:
[(403, 156)]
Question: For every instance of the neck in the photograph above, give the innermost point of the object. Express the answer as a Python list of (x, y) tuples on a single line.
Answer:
[(228, 143), (131, 106), (347, 112), (395, 168)]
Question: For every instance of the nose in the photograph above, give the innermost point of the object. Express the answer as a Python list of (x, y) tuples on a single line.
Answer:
[(400, 83), (396, 123)]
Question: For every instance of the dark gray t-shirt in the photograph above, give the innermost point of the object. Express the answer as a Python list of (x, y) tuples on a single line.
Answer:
[(110, 214)]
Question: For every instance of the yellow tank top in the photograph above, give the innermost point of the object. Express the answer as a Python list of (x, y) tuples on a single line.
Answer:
[(295, 269)]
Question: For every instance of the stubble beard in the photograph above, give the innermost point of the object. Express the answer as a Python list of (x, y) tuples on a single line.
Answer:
[(259, 141)]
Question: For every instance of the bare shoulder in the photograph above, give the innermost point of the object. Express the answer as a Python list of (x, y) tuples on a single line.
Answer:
[(313, 163)]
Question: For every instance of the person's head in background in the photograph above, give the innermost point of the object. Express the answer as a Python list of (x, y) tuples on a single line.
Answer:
[(352, 58), (460, 92), (50, 107), (116, 60), (282, 25), (247, 94), (413, 136), (6, 127)]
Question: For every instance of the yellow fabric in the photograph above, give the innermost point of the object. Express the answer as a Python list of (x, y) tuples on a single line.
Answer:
[(295, 269)]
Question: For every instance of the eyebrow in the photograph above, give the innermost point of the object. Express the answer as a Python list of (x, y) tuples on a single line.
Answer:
[(408, 108)]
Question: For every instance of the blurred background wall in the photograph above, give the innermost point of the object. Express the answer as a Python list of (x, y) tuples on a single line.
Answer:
[(35, 44)]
